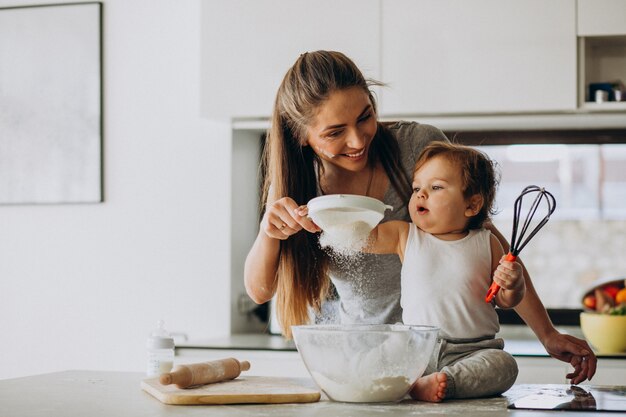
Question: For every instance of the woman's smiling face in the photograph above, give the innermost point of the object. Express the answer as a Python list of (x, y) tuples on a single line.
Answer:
[(343, 129)]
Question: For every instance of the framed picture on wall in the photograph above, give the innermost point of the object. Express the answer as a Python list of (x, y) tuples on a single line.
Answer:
[(51, 104)]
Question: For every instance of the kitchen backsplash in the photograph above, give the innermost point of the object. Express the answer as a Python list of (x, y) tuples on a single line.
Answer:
[(565, 257)]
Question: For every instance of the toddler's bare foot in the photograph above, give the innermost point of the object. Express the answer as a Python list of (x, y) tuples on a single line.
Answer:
[(431, 388)]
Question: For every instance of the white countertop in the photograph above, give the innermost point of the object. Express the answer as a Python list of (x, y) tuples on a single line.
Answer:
[(118, 394)]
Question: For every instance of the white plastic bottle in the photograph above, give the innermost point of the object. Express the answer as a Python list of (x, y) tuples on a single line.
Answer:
[(160, 347)]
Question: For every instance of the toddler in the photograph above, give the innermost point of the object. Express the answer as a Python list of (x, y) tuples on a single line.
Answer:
[(448, 263)]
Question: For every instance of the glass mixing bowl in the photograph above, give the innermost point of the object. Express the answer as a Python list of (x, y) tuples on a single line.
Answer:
[(365, 363)]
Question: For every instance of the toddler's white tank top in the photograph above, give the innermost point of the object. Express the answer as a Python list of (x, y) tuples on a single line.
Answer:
[(443, 284)]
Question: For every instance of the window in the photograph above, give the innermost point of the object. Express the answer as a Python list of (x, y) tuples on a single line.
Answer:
[(584, 239), (588, 181)]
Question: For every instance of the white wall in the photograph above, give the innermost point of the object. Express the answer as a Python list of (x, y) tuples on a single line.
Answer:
[(82, 285)]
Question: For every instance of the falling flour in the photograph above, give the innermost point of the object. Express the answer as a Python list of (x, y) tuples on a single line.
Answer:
[(383, 389), (346, 238)]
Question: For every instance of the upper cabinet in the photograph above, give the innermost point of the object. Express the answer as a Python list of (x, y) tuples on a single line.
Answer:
[(248, 46), (602, 55), (479, 56), (437, 57), (601, 17)]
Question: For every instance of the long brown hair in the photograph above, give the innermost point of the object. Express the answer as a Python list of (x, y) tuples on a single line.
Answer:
[(291, 169)]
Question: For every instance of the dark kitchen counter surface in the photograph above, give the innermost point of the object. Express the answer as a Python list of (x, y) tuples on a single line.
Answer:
[(519, 341), (118, 394)]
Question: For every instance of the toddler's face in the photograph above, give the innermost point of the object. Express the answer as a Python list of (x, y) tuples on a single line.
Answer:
[(437, 205)]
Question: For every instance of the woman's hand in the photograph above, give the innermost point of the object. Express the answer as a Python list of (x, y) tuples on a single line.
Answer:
[(284, 218), (574, 351)]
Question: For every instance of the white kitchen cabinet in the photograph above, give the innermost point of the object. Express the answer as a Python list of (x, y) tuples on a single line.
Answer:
[(483, 56), (602, 59), (601, 17), (610, 372), (247, 46), (540, 370), (544, 370), (602, 49)]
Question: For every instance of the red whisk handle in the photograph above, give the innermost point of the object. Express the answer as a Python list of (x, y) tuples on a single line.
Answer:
[(494, 288)]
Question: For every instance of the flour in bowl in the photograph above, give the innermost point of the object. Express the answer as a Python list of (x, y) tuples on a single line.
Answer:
[(390, 388), (366, 369)]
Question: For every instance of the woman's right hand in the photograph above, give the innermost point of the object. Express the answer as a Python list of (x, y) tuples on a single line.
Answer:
[(284, 218)]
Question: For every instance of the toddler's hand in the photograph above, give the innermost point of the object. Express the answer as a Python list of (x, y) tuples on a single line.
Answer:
[(509, 276)]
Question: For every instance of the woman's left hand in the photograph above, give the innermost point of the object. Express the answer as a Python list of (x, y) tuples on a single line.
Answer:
[(574, 351)]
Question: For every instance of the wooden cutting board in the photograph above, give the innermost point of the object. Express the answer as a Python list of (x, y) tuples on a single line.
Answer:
[(242, 390)]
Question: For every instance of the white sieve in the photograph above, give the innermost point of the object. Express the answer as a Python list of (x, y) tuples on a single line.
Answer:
[(340, 209)]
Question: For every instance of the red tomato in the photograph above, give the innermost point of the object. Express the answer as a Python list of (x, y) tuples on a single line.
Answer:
[(611, 290), (590, 302)]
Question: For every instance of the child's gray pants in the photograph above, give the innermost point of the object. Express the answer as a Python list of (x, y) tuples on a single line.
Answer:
[(475, 368)]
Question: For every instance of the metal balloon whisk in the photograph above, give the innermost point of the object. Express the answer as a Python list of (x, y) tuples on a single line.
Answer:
[(518, 242)]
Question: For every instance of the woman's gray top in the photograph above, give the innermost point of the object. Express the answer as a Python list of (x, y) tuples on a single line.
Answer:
[(368, 285)]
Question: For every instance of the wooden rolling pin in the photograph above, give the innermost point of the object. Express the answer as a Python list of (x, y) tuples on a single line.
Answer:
[(185, 376)]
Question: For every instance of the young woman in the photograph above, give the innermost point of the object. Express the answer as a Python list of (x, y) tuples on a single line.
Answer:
[(325, 139)]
